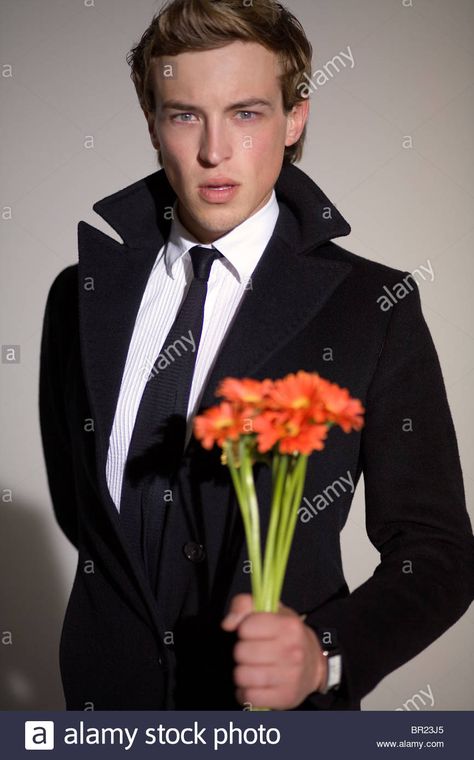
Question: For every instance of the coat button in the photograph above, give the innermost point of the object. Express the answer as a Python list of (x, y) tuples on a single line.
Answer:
[(194, 552)]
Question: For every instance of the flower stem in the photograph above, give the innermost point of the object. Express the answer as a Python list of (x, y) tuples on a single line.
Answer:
[(292, 500), (280, 469), (242, 499), (250, 495)]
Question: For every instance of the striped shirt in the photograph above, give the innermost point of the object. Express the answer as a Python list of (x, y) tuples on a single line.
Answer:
[(165, 290)]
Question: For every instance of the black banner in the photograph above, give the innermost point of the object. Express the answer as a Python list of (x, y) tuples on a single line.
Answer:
[(272, 735)]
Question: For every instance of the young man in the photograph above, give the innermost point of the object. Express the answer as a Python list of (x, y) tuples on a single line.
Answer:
[(227, 268)]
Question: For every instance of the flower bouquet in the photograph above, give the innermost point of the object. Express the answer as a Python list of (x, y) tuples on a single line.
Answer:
[(281, 423)]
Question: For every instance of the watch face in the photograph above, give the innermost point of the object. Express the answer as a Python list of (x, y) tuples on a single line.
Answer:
[(334, 670)]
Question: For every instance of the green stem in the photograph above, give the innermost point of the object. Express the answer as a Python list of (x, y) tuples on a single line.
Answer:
[(240, 490), (285, 499), (293, 498), (248, 483), (288, 488), (279, 474)]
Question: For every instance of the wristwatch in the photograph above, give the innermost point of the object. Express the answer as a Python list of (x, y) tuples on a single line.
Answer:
[(334, 660)]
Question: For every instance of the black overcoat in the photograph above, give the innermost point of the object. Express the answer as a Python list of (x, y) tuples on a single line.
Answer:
[(310, 305)]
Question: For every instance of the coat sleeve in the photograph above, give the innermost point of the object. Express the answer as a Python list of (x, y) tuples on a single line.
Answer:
[(54, 430), (415, 515)]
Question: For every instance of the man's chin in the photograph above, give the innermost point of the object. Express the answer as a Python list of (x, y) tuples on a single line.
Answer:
[(216, 222)]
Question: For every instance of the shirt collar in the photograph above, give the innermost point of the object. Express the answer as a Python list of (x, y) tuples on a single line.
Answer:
[(242, 247)]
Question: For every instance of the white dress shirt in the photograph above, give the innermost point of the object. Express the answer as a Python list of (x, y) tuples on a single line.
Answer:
[(165, 290)]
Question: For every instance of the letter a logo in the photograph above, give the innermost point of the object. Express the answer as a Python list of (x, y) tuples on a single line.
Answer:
[(39, 734)]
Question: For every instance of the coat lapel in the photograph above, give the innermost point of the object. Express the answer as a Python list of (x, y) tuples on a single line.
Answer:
[(287, 290), (111, 280), (289, 286)]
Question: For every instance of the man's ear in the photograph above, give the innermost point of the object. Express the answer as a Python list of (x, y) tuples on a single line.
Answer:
[(296, 121), (150, 117)]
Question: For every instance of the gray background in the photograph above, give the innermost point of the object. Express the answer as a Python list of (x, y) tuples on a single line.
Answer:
[(413, 76)]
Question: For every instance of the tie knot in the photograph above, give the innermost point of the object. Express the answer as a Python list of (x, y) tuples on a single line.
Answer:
[(202, 260)]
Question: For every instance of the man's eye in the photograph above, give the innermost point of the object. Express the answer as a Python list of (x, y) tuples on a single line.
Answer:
[(178, 116), (248, 115)]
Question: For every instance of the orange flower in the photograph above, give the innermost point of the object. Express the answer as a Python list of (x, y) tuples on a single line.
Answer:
[(217, 425), (248, 393), (293, 432), (323, 401), (294, 412), (296, 391), (340, 408)]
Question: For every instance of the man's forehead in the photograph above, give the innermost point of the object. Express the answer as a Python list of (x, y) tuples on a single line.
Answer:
[(178, 77), (247, 58)]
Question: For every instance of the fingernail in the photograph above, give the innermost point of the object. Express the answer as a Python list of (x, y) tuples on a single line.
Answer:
[(230, 618)]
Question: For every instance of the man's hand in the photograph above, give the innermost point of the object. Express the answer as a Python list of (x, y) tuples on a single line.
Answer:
[(279, 658)]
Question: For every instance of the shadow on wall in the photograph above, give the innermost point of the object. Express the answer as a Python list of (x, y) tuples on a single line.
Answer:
[(32, 606)]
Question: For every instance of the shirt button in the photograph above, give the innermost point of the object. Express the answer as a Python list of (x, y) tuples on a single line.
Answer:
[(194, 552)]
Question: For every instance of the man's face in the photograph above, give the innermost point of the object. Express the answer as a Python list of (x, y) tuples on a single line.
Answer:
[(219, 122)]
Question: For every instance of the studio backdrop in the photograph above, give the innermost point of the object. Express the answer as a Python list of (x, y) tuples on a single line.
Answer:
[(389, 141)]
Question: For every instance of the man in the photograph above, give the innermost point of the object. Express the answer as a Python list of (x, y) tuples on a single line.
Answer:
[(228, 268)]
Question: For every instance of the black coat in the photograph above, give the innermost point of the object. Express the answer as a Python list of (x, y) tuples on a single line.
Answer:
[(312, 305)]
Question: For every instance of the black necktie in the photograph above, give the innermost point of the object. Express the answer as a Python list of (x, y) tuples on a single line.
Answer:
[(158, 437)]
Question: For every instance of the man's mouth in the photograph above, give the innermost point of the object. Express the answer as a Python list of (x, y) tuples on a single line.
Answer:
[(218, 190), (219, 182)]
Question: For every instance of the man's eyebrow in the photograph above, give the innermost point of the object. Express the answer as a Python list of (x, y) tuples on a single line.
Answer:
[(249, 102)]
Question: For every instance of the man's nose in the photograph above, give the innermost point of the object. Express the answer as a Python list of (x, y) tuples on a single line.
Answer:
[(215, 143)]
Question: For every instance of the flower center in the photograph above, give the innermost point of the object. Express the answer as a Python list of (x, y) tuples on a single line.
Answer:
[(223, 422), (292, 429), (302, 402)]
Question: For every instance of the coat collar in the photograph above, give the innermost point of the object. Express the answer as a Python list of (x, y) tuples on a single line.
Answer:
[(289, 286), (141, 212)]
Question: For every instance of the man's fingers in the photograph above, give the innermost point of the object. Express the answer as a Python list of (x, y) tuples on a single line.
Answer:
[(270, 625), (260, 624), (264, 677), (240, 606), (284, 610), (256, 653)]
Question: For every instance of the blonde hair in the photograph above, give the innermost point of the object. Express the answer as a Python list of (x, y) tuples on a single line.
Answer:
[(184, 25)]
